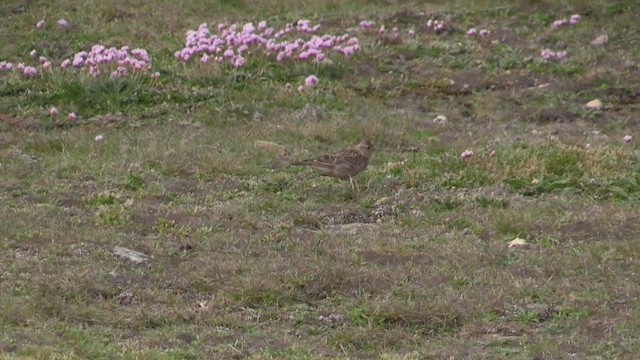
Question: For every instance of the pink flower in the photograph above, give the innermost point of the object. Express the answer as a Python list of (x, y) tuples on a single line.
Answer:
[(248, 28), (141, 54), (549, 55), (348, 51), (303, 55), (300, 89), (411, 33), (72, 117), (40, 25), (42, 60), (78, 61), (99, 139), (381, 30), (29, 71), (366, 24), (238, 62), (574, 19), (94, 71), (484, 33), (228, 54), (63, 24), (46, 65), (66, 63), (559, 23), (204, 59), (627, 139), (186, 54), (492, 153), (243, 49), (122, 71), (466, 154), (5, 66), (311, 81), (98, 49), (33, 53), (155, 75), (472, 32), (53, 111)]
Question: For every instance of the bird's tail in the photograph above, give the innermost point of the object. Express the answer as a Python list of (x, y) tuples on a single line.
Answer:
[(303, 162)]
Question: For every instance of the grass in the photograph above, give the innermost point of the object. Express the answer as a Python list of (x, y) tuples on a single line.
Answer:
[(250, 258)]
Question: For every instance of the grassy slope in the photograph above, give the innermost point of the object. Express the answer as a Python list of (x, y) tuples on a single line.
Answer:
[(251, 259)]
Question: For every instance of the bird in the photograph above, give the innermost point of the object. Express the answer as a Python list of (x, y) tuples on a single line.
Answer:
[(342, 165)]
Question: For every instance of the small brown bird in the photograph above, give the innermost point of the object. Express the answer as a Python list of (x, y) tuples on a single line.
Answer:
[(343, 165)]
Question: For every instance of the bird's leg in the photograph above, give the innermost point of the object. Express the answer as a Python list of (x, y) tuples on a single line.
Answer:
[(356, 189)]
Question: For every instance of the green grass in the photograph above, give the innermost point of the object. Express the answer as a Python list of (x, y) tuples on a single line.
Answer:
[(251, 258)]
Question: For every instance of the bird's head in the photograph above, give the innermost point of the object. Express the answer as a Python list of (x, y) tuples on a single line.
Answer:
[(365, 147)]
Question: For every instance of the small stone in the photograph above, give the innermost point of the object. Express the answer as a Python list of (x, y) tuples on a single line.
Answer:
[(600, 40), (133, 256), (271, 147), (517, 242), (440, 119), (594, 104)]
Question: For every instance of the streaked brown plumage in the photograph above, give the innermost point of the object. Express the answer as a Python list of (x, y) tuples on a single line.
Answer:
[(343, 165)]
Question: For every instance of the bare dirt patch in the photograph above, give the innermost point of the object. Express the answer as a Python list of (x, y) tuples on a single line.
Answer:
[(391, 259), (21, 123)]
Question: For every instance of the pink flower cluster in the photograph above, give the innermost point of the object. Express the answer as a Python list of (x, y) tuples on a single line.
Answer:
[(366, 25), (473, 32), (6, 66), (549, 55), (53, 112), (62, 24), (562, 22), (466, 154), (119, 61), (435, 25), (235, 43), (29, 72)]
